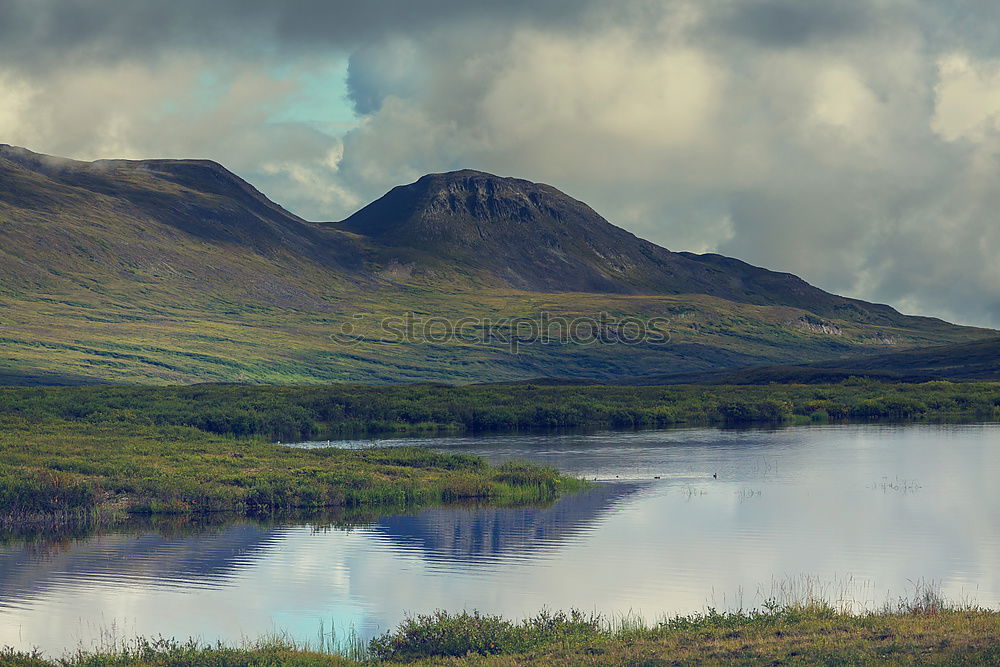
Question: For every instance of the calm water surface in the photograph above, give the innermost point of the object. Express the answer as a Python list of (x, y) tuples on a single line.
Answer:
[(857, 512)]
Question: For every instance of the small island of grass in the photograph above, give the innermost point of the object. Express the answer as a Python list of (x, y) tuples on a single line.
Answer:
[(57, 471)]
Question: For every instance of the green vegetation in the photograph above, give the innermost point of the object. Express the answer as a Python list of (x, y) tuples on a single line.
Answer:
[(324, 412), (801, 634), (444, 634), (178, 272), (168, 334), (69, 452), (57, 472), (815, 633), (975, 360)]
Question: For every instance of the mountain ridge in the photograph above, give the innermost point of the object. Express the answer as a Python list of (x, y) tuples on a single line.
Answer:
[(181, 271), (449, 210)]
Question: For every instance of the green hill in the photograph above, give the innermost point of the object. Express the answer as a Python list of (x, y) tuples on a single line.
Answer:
[(975, 360), (166, 271)]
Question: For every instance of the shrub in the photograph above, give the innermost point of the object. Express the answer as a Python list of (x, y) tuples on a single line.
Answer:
[(443, 634)]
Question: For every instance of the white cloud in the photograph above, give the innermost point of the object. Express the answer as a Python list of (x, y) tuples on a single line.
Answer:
[(184, 106), (843, 100), (611, 90), (853, 143), (315, 181), (15, 99), (967, 104)]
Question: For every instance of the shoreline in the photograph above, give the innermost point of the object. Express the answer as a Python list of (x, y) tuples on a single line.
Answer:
[(64, 473), (921, 630)]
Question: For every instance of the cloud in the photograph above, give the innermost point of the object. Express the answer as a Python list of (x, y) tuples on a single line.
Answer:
[(794, 23), (967, 103), (15, 100), (53, 33), (854, 143), (391, 67)]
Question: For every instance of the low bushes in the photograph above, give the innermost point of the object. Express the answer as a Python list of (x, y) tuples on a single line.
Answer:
[(443, 634), (324, 412)]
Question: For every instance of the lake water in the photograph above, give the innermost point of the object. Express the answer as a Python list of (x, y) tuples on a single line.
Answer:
[(858, 513)]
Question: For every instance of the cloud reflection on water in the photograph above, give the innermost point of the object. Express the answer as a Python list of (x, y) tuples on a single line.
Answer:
[(786, 503)]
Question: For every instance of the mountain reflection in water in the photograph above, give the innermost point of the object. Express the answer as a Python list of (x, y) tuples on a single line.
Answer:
[(483, 534), (864, 510), (65, 580), (208, 559)]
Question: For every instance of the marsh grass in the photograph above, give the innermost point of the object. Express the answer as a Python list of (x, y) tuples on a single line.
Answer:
[(829, 620), (347, 644), (58, 474), (691, 492), (745, 494), (896, 485), (445, 634), (163, 652), (793, 625), (290, 414)]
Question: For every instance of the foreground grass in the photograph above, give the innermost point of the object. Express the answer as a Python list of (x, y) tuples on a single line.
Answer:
[(810, 634), (62, 470)]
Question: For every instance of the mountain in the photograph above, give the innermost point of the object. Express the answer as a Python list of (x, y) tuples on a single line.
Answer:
[(530, 236), (186, 222), (180, 271), (975, 360)]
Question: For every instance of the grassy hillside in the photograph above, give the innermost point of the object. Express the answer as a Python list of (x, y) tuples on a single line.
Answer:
[(177, 271), (976, 360), (160, 337)]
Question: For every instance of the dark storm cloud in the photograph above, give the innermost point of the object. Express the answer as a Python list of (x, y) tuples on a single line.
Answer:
[(794, 23), (41, 33), (969, 25), (379, 69)]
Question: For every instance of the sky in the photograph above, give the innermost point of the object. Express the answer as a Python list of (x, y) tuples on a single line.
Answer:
[(854, 143)]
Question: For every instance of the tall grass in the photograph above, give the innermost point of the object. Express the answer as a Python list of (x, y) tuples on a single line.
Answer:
[(55, 473), (794, 624), (794, 601)]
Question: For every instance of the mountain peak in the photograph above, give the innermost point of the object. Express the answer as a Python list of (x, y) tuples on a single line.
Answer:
[(488, 197), (461, 174), (527, 235), (467, 176), (510, 232), (469, 206)]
